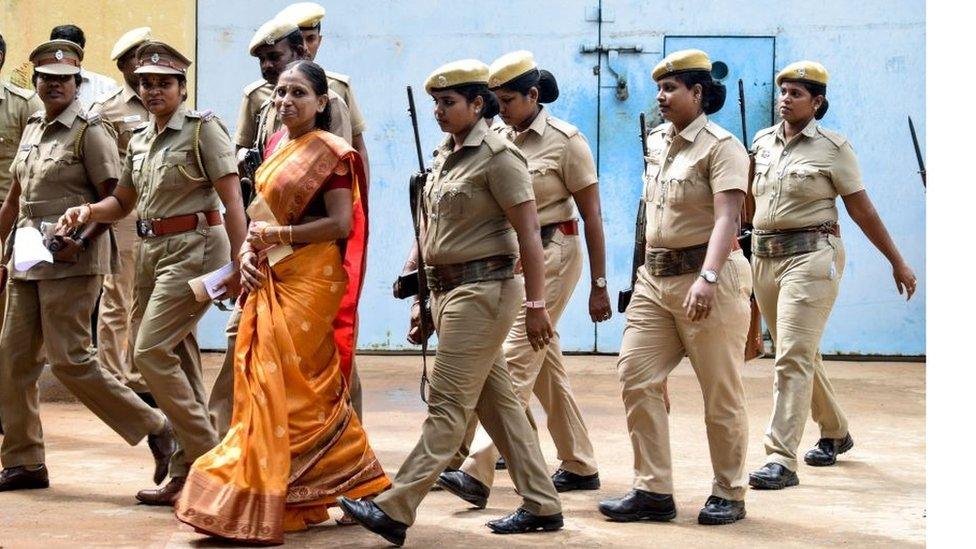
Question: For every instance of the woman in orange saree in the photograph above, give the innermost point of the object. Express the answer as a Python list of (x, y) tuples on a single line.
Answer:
[(294, 444)]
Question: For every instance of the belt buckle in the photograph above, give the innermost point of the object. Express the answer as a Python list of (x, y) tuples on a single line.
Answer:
[(144, 228)]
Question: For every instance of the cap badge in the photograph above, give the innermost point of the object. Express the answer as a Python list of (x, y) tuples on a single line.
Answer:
[(442, 80), (801, 72), (269, 40), (59, 55), (670, 66), (154, 58)]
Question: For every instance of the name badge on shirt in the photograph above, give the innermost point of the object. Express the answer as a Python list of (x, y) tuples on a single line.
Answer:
[(132, 118), (25, 147)]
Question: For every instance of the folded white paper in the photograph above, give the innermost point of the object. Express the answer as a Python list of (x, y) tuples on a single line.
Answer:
[(260, 211), (29, 249), (208, 287)]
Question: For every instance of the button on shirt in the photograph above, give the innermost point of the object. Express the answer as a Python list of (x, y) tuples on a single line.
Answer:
[(797, 183), (466, 196), (560, 164), (163, 169), (684, 172)]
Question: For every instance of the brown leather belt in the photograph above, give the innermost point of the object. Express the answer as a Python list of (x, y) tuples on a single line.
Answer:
[(570, 227), (443, 278), (786, 242), (148, 228), (680, 261)]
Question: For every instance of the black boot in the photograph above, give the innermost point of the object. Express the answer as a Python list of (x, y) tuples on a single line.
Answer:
[(500, 465), (465, 487), (640, 505), (524, 522), (721, 511), (564, 481), (372, 518), (773, 476), (22, 478), (827, 449), (162, 445)]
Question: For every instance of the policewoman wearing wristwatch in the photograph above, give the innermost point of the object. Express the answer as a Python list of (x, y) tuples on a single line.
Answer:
[(178, 171), (563, 179), (66, 158), (480, 214), (798, 261), (691, 296)]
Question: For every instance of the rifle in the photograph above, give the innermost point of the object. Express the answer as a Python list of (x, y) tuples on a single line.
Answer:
[(918, 151), (248, 168), (415, 283), (754, 344), (624, 296)]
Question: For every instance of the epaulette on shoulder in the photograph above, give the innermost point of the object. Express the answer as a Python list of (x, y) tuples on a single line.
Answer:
[(496, 143), (140, 127), (205, 115), (105, 97), (764, 132), (91, 117), (562, 126), (717, 131), (659, 128), (254, 86), (18, 91), (338, 76), (38, 115), (837, 139)]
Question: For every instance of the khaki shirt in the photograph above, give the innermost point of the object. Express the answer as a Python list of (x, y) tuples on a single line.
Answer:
[(467, 194), (16, 106), (53, 178), (162, 167), (124, 112), (684, 171), (257, 111), (560, 163), (797, 183)]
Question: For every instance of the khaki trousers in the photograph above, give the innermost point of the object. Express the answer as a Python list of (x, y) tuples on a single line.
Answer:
[(470, 377), (542, 372), (795, 295), (116, 333), (656, 336), (166, 350), (56, 315), (221, 403)]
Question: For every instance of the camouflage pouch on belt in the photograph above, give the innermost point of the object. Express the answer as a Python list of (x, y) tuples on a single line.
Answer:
[(784, 244), (675, 262), (443, 278)]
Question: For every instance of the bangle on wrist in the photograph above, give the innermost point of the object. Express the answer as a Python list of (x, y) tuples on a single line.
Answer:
[(291, 234)]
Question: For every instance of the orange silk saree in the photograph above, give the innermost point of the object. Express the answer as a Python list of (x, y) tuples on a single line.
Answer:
[(294, 444)]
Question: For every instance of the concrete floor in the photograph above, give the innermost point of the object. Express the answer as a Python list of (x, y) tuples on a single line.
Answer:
[(874, 497)]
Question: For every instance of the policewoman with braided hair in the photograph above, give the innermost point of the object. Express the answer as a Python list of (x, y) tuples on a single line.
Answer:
[(65, 158), (691, 296), (480, 215), (178, 171), (563, 179), (798, 261)]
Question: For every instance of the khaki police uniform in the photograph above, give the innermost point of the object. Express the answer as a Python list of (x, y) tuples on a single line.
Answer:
[(560, 164), (161, 166), (684, 171), (58, 164), (16, 106), (465, 200), (796, 186), (123, 111)]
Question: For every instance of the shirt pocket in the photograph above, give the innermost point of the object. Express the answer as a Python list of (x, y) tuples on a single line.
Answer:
[(175, 169), (760, 180), (453, 199), (804, 182), (652, 168), (685, 186)]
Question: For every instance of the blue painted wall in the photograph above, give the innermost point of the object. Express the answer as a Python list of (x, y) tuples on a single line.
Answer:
[(874, 51)]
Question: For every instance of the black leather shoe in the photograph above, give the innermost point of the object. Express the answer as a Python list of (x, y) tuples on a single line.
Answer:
[(827, 449), (721, 511), (564, 481), (22, 478), (500, 465), (465, 487), (372, 518), (167, 495), (640, 505), (773, 476), (524, 522), (163, 446)]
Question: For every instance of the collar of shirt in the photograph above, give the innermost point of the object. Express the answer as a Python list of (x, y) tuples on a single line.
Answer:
[(540, 123), (67, 116), (474, 138), (175, 122), (691, 131), (810, 130), (128, 93)]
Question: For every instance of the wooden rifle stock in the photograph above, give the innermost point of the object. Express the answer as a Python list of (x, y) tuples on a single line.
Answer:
[(754, 344)]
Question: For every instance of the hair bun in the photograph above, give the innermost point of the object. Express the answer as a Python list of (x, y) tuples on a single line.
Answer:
[(548, 87)]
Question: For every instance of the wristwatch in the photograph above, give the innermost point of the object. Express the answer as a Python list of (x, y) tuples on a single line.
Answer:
[(600, 282), (538, 304), (709, 275)]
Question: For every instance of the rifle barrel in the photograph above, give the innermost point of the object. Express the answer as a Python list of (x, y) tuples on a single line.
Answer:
[(416, 131), (742, 113), (918, 151)]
